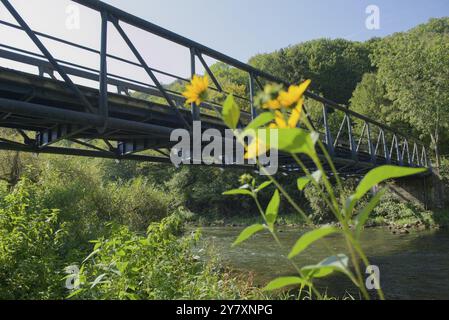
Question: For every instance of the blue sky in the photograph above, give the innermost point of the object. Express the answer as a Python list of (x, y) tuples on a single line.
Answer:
[(238, 28), (242, 28)]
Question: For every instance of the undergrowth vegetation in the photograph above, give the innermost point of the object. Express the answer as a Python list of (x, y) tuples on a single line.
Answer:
[(126, 236)]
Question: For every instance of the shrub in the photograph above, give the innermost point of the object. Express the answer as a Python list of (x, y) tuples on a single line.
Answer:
[(159, 265), (319, 211), (200, 189), (30, 246), (137, 203), (87, 200), (391, 210)]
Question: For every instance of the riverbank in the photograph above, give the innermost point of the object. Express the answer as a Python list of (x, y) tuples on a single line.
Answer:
[(196, 220), (398, 220)]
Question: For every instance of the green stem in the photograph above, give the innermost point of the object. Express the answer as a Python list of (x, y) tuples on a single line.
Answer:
[(326, 154), (278, 242), (357, 269), (333, 204), (365, 260), (315, 183), (309, 222)]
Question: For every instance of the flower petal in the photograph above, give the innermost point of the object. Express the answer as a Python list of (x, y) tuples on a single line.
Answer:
[(280, 121), (296, 115)]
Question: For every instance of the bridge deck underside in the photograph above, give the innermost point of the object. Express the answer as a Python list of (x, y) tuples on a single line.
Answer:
[(46, 107)]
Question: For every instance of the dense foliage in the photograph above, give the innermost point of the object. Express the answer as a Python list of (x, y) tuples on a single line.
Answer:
[(334, 66), (417, 82), (158, 265)]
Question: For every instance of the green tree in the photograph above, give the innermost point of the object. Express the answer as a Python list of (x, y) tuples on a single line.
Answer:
[(335, 66), (413, 67)]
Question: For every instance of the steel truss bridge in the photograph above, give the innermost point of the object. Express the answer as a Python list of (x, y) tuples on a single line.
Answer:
[(53, 113)]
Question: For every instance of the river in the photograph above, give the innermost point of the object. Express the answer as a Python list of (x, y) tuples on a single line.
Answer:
[(412, 266)]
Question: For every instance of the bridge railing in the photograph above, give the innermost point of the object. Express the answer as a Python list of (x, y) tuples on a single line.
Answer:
[(357, 137), (350, 135)]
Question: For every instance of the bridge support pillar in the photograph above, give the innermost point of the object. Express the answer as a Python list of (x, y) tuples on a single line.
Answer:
[(427, 191)]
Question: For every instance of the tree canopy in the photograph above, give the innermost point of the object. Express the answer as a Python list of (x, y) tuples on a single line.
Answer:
[(334, 66), (413, 67)]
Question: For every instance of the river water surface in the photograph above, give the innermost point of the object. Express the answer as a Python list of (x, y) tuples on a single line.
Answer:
[(412, 266)]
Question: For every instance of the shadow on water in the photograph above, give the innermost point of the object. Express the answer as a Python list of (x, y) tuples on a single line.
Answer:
[(412, 266)]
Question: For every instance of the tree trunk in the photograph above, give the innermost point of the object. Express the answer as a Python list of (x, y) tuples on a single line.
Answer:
[(435, 141), (439, 186)]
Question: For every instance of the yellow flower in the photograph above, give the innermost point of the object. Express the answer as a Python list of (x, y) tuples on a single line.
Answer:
[(281, 123), (272, 104), (196, 91), (291, 97), (256, 148)]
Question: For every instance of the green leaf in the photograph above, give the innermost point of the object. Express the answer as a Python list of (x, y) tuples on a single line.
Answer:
[(304, 181), (383, 173), (91, 255), (260, 121), (238, 192), (296, 141), (283, 282), (363, 216), (74, 293), (231, 112), (264, 185), (247, 233), (272, 210), (376, 176), (97, 280), (121, 266), (310, 237), (326, 267)]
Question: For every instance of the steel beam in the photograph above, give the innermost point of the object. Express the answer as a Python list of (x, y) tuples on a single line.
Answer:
[(147, 69), (103, 91), (46, 53), (81, 118), (328, 134)]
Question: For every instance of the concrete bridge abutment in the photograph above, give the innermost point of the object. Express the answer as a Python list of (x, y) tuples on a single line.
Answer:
[(427, 191)]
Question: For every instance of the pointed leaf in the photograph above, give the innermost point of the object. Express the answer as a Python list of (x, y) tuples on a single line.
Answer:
[(376, 176), (383, 173), (248, 232), (326, 267), (260, 121), (310, 237), (97, 280), (296, 141), (303, 182), (264, 185), (272, 211), (74, 293), (91, 255), (238, 192), (231, 112), (364, 214), (283, 282)]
